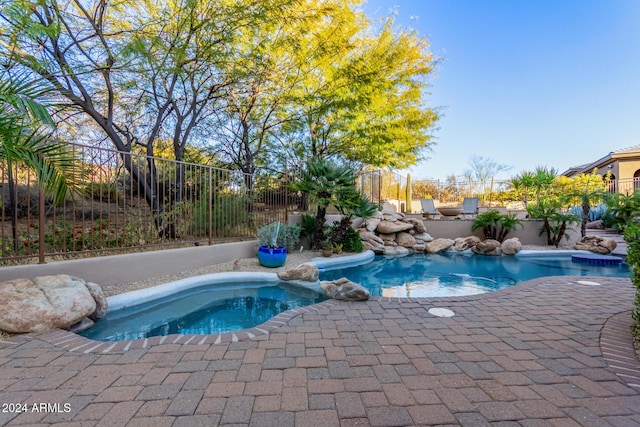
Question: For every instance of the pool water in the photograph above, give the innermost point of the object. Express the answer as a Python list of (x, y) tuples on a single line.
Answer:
[(208, 310), (445, 275)]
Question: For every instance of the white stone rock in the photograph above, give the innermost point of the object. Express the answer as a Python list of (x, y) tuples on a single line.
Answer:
[(345, 290), (423, 237), (596, 244), (387, 227), (464, 243), (371, 224), (46, 302), (418, 224), (102, 306), (304, 272), (439, 245), (395, 250), (488, 247), (367, 236), (511, 246), (405, 239)]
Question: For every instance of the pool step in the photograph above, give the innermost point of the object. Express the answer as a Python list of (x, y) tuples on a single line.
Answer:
[(596, 259)]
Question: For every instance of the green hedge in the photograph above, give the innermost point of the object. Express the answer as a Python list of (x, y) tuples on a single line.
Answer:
[(632, 237)]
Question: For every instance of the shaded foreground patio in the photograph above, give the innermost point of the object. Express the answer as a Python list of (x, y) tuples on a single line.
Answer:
[(548, 352)]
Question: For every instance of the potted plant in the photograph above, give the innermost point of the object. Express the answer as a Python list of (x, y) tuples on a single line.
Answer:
[(327, 249), (274, 240)]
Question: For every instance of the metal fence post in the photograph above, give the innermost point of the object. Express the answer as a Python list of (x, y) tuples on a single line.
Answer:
[(41, 225)]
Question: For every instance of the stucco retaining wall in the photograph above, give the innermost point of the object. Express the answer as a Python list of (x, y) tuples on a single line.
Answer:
[(113, 269), (528, 234)]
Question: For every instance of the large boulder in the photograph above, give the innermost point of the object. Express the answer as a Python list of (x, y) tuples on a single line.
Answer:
[(101, 301), (395, 250), (46, 302), (405, 239), (304, 272), (367, 236), (464, 243), (418, 224), (596, 244), (388, 239), (511, 246), (438, 245), (488, 247), (345, 290), (595, 225), (371, 224), (423, 237), (388, 227), (377, 248)]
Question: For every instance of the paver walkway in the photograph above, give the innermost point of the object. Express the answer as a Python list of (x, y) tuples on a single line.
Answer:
[(549, 352)]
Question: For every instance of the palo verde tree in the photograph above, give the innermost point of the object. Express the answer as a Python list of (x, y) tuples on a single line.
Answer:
[(263, 73), (362, 95)]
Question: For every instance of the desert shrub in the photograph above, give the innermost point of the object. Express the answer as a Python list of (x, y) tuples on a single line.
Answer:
[(351, 241), (632, 237), (495, 225), (622, 209), (228, 212)]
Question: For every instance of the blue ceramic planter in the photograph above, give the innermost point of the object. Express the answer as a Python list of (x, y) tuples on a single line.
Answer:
[(272, 257)]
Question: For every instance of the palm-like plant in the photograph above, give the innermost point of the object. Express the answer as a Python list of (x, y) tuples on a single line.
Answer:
[(495, 225), (543, 179), (25, 128), (328, 184), (523, 182), (556, 221), (622, 209)]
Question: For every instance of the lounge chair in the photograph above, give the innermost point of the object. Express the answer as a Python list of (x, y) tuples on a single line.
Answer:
[(470, 206), (428, 208)]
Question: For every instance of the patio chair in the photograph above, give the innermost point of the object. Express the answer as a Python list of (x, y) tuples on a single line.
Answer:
[(470, 206), (428, 208)]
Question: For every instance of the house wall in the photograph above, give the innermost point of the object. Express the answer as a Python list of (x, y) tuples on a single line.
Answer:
[(626, 168)]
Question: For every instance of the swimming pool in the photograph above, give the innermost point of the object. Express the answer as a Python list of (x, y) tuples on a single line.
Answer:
[(226, 302), (204, 310), (454, 274)]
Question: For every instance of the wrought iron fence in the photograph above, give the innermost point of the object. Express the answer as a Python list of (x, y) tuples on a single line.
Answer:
[(381, 186), (131, 202)]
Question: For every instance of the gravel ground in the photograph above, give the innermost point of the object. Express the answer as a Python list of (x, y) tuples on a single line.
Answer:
[(245, 264)]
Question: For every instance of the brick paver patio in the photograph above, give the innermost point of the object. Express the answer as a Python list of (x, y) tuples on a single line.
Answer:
[(549, 352)]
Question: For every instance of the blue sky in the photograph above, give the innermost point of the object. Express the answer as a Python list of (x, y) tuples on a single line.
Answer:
[(526, 83)]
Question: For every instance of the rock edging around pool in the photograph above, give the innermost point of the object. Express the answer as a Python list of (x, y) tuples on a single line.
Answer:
[(128, 299)]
